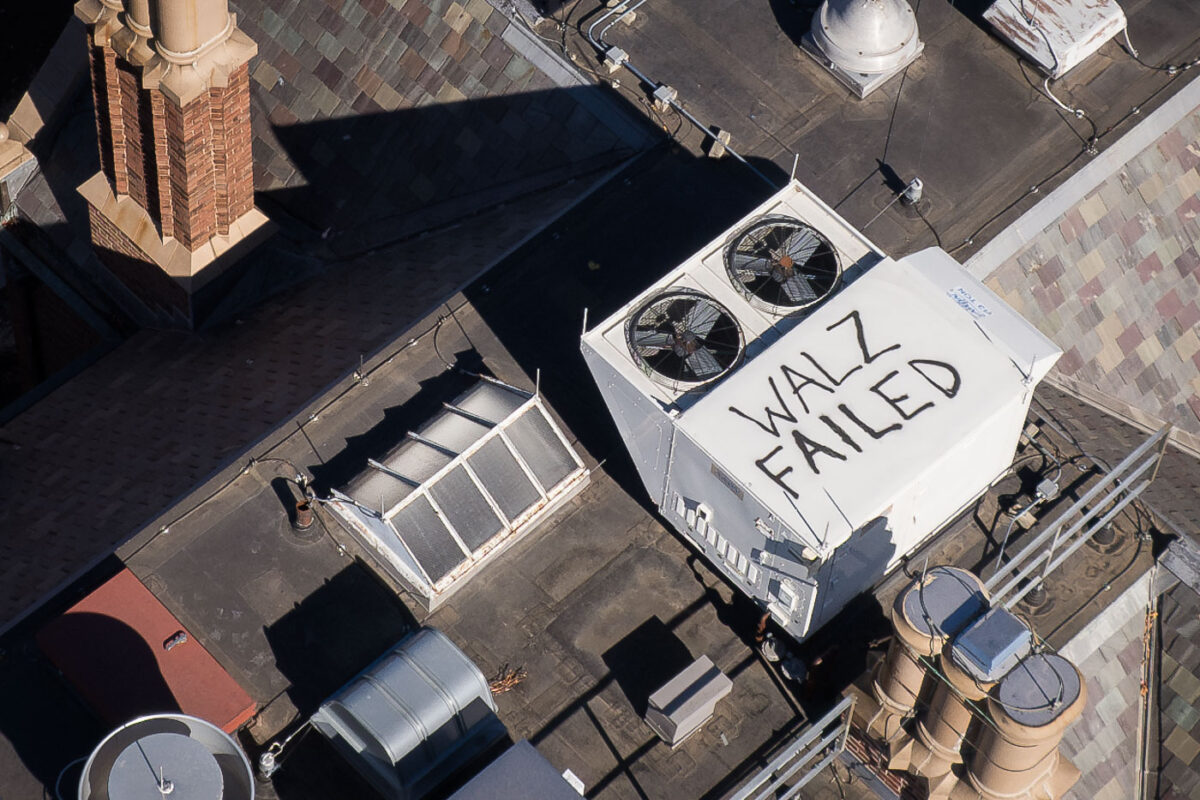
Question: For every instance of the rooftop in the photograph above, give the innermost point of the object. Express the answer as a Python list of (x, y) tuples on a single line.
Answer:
[(159, 432)]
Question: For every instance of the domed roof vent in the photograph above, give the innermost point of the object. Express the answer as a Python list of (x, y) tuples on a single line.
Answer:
[(864, 42)]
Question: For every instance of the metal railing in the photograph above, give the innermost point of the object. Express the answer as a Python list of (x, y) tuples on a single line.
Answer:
[(820, 742), (1110, 495)]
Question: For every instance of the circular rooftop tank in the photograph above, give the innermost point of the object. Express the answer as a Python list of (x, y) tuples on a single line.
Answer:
[(1039, 690), (167, 755), (947, 600), (867, 36)]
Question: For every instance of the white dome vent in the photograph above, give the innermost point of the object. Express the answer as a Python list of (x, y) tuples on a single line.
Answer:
[(864, 42)]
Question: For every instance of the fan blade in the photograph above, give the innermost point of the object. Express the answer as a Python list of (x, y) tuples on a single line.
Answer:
[(703, 363), (651, 340), (801, 245), (700, 318), (777, 236), (756, 265), (798, 290)]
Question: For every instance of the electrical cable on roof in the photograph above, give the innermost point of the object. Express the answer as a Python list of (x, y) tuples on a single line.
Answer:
[(1170, 69), (62, 773)]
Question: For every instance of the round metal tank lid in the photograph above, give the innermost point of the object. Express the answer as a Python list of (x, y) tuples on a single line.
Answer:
[(186, 768), (949, 599), (1038, 689)]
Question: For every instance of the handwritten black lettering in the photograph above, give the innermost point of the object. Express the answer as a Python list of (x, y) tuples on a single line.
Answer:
[(845, 437), (778, 477), (895, 402), (804, 381), (830, 378), (810, 448), (772, 415), (867, 355), (951, 372), (867, 429)]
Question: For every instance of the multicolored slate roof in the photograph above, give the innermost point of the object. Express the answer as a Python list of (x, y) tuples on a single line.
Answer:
[(1107, 266)]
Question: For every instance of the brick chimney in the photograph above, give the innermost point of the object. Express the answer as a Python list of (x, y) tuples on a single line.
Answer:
[(173, 204)]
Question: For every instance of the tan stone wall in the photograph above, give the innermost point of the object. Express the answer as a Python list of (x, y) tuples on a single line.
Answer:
[(134, 268)]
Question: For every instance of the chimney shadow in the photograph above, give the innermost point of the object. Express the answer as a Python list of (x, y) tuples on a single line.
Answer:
[(382, 175)]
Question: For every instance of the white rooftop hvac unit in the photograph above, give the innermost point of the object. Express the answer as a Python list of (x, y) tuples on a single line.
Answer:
[(805, 437)]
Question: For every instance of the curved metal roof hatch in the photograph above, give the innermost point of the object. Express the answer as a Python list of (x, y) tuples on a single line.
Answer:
[(864, 42), (412, 718)]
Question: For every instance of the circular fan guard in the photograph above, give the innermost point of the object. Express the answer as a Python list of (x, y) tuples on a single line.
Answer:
[(684, 338), (783, 264)]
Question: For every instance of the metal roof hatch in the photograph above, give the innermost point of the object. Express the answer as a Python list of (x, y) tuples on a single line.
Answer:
[(412, 718)]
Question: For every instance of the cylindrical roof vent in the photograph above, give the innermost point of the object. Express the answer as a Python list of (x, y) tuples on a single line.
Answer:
[(867, 36), (164, 755)]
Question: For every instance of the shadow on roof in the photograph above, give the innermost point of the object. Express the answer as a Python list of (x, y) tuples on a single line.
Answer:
[(376, 442), (376, 177), (599, 256), (334, 633)]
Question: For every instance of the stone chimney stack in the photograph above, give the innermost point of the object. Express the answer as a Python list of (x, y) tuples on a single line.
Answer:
[(173, 204)]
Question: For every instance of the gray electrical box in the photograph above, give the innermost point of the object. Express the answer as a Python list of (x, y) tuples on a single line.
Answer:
[(687, 701)]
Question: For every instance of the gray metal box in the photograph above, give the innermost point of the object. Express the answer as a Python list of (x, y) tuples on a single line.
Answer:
[(684, 703)]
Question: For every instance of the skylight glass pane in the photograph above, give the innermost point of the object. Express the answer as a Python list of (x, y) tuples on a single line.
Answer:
[(501, 475), (377, 490), (454, 431), (542, 450), (460, 500), (420, 529), (489, 401), (416, 460)]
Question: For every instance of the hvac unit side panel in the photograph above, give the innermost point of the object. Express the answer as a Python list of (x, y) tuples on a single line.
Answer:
[(644, 426), (953, 482), (738, 535), (698, 479)]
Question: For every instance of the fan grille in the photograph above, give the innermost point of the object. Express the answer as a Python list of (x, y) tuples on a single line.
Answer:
[(783, 264), (684, 339)]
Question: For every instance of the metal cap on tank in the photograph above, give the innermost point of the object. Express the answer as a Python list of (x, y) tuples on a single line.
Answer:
[(936, 607), (1041, 689), (867, 36), (167, 755)]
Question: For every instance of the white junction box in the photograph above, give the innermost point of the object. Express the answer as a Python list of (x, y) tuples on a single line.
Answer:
[(803, 430)]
